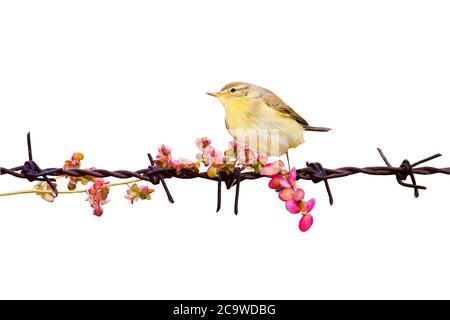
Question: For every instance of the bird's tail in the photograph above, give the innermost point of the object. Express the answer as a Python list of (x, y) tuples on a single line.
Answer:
[(318, 129)]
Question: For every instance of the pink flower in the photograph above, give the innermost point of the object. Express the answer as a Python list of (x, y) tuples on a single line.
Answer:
[(217, 165), (98, 210), (74, 162), (258, 165), (236, 155), (97, 195), (207, 156), (305, 222), (202, 143), (262, 158), (291, 194), (279, 181), (136, 192), (164, 160), (246, 157), (231, 154), (310, 205), (274, 168), (305, 208), (208, 153), (242, 154), (164, 150), (164, 157), (181, 164), (294, 206)]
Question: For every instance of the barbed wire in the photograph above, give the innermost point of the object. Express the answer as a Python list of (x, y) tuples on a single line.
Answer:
[(314, 172)]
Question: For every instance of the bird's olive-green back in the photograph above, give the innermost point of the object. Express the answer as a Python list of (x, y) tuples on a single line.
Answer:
[(279, 105)]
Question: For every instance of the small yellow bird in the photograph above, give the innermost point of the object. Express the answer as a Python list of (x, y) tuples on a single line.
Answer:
[(259, 119)]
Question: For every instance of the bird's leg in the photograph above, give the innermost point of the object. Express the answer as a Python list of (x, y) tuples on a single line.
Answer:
[(289, 164)]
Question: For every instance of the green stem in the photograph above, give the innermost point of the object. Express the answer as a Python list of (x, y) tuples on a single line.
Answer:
[(64, 192)]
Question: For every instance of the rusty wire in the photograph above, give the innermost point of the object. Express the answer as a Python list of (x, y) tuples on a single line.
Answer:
[(313, 171)]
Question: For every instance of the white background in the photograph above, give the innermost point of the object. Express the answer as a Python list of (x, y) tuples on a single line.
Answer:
[(114, 79)]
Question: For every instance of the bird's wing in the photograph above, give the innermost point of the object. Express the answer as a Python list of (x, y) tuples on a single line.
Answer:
[(277, 104)]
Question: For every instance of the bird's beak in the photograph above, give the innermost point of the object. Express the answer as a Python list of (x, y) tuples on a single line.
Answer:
[(214, 94)]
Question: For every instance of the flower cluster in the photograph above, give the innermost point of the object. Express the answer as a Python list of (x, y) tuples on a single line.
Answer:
[(236, 157), (99, 190), (211, 158), (242, 157), (97, 195), (75, 163), (164, 160), (136, 192), (285, 183)]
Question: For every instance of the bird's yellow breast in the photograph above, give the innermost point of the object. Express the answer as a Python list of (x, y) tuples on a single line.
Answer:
[(241, 114), (265, 130)]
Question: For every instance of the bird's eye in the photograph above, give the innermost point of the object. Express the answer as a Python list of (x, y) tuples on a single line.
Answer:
[(233, 90)]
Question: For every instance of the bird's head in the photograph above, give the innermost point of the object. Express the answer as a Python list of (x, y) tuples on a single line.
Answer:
[(236, 92)]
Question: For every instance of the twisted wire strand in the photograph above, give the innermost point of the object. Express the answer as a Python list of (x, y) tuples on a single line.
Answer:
[(313, 171), (147, 173)]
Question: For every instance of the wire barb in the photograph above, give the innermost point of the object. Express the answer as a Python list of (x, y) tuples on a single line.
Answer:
[(166, 189), (219, 193), (318, 175), (30, 151), (237, 174), (31, 170), (407, 171)]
